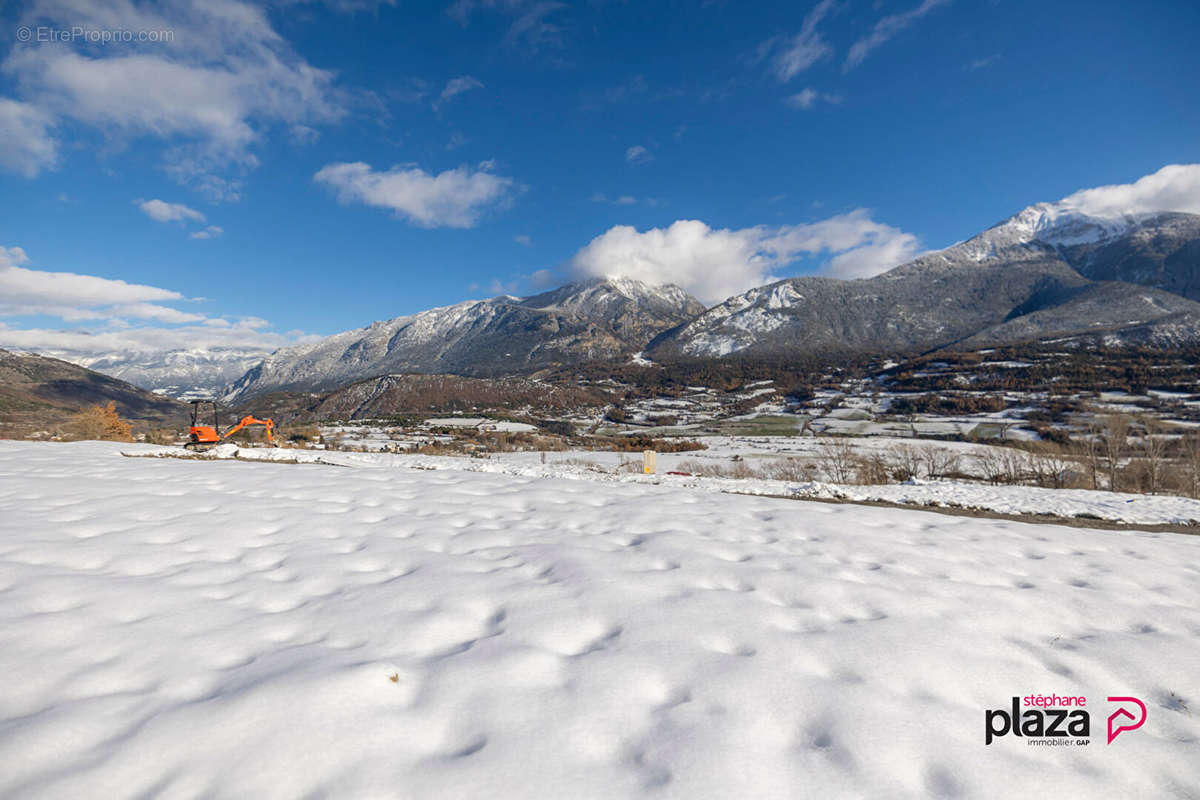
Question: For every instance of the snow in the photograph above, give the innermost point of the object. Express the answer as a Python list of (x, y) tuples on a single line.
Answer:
[(1137, 509), (482, 423), (177, 628), (1064, 224), (1134, 509)]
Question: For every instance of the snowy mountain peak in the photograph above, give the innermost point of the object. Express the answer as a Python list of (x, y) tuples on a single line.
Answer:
[(1062, 225), (605, 290)]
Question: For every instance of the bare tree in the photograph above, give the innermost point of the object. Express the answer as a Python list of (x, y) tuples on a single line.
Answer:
[(872, 469), (1089, 448), (908, 461), (1154, 451), (836, 457), (1114, 445), (940, 462), (1017, 467), (1189, 449), (791, 469), (1052, 466), (991, 464)]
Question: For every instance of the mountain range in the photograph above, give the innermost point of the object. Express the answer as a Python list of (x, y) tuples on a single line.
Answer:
[(592, 320), (1046, 272), (1049, 272)]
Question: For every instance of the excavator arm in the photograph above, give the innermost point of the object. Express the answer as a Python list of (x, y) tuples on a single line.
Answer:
[(252, 420)]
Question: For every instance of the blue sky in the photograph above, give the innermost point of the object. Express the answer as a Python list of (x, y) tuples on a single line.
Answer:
[(310, 167)]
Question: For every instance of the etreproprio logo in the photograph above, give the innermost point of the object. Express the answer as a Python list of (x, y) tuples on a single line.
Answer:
[(1059, 720)]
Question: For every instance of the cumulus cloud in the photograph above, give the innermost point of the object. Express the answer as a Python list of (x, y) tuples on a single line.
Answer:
[(714, 264), (28, 147), (457, 86), (455, 198), (74, 297), (161, 211), (791, 56), (1175, 187), (210, 92), (885, 29)]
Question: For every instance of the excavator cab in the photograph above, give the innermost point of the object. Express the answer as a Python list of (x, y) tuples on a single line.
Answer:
[(202, 437)]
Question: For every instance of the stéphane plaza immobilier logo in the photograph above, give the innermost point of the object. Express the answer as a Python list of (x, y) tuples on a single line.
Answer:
[(1051, 720)]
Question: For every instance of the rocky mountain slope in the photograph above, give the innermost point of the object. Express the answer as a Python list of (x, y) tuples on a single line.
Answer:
[(579, 322), (1029, 277), (1162, 251), (38, 392)]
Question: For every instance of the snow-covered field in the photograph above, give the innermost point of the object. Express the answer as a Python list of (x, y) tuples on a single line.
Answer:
[(193, 628), (612, 467)]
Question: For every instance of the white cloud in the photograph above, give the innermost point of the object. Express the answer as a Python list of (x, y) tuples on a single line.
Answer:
[(714, 264), (982, 63), (455, 198), (79, 345), (638, 155), (75, 297), (1175, 187), (347, 6), (521, 238), (809, 97), (803, 99), (885, 29), (457, 86), (210, 93), (531, 27), (161, 211), (796, 54), (211, 232), (28, 146), (115, 316)]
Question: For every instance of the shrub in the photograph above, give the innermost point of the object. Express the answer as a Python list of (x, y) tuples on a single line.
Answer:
[(162, 436), (103, 423)]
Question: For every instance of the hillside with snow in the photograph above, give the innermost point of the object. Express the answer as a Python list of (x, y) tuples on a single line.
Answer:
[(583, 321), (226, 629)]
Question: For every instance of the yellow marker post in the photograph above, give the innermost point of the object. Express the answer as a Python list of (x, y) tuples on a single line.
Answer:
[(648, 461)]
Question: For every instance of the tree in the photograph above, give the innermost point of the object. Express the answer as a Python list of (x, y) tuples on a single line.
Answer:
[(1190, 450), (1052, 465), (939, 462), (836, 457), (1154, 450), (1089, 448), (1114, 437), (102, 422), (908, 461)]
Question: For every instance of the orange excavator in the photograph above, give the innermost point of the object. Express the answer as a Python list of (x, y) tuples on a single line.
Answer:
[(202, 437)]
